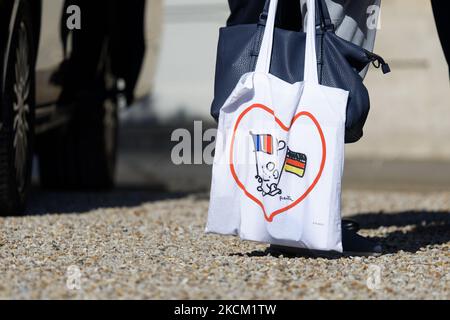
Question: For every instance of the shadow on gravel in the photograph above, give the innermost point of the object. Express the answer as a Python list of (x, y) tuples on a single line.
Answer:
[(278, 254), (58, 202), (425, 228)]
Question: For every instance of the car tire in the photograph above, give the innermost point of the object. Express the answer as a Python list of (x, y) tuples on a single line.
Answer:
[(17, 105), (81, 155)]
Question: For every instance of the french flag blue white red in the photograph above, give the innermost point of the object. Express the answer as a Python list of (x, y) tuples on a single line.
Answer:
[(263, 143)]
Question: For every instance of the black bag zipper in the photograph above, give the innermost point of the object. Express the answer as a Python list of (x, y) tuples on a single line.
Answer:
[(378, 62)]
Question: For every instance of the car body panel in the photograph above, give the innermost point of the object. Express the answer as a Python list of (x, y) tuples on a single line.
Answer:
[(153, 31), (50, 53)]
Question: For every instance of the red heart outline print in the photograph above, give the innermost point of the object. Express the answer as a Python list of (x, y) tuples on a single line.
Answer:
[(302, 197)]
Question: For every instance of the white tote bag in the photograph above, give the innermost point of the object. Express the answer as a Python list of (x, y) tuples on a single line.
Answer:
[(279, 155)]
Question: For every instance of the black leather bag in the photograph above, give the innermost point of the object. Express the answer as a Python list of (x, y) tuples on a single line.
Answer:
[(339, 63)]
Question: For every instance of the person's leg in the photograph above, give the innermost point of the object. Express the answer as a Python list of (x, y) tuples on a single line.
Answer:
[(441, 16), (127, 43), (244, 12), (248, 12)]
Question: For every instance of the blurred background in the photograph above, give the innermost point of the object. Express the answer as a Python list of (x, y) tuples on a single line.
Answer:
[(407, 136)]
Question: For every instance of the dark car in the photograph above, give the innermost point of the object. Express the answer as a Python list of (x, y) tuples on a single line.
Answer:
[(65, 69)]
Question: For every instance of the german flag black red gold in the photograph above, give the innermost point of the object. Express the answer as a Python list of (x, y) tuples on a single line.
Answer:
[(295, 163)]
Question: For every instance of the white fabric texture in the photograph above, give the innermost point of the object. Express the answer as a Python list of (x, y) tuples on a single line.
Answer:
[(279, 155)]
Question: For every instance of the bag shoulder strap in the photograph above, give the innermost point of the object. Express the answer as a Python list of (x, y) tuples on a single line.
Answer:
[(323, 16)]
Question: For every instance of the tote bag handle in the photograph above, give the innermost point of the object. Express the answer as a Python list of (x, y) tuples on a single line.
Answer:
[(265, 53)]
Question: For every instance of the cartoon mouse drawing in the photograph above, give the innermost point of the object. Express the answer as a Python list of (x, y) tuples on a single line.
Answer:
[(267, 173)]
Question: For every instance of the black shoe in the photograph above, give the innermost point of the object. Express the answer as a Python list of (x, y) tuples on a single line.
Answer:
[(350, 225), (357, 245)]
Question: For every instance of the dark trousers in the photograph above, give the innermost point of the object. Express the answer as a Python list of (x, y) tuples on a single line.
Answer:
[(247, 11), (441, 15)]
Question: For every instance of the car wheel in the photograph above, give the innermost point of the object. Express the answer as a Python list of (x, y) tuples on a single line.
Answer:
[(17, 114), (81, 155)]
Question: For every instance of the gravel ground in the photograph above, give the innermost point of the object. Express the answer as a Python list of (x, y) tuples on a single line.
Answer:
[(152, 248)]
